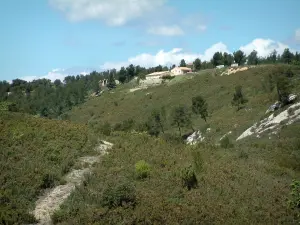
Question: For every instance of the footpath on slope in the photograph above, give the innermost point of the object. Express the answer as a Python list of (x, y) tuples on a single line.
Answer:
[(48, 203)]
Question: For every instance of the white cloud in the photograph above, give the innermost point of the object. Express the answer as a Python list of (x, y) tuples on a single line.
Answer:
[(173, 30), (165, 58), (297, 35), (55, 74), (113, 12), (264, 47)]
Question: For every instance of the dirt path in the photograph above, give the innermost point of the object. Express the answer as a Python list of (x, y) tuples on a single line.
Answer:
[(53, 198)]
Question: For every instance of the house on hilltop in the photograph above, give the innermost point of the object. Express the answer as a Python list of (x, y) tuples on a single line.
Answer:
[(181, 70)]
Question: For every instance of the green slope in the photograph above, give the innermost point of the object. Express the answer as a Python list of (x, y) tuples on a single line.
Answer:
[(248, 183), (35, 154)]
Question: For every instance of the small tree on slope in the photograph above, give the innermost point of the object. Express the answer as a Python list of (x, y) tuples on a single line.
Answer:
[(199, 107), (181, 117), (238, 98)]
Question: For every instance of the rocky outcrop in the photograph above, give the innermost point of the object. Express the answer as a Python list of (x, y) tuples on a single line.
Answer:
[(273, 123), (195, 138)]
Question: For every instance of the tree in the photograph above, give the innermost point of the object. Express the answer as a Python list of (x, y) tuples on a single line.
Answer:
[(287, 56), (159, 68), (228, 59), (199, 107), (296, 60), (130, 72), (239, 57), (252, 58), (57, 83), (181, 117), (217, 59), (111, 83), (273, 56), (238, 98), (282, 84), (122, 75), (182, 63), (165, 68), (197, 64), (155, 122)]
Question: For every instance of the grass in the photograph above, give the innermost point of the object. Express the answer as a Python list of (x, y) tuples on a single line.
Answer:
[(217, 91), (231, 189), (35, 154), (245, 182)]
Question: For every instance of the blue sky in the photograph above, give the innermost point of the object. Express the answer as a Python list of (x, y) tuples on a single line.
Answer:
[(54, 38)]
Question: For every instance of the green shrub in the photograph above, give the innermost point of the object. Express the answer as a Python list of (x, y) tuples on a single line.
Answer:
[(168, 77), (226, 143), (294, 201), (49, 181), (119, 195), (126, 125), (142, 169), (188, 177), (172, 138), (141, 127), (243, 155), (106, 129)]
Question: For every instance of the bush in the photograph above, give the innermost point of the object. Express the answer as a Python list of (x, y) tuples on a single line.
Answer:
[(172, 138), (141, 127), (189, 178), (294, 201), (168, 77), (142, 169), (106, 129), (226, 143), (119, 195), (49, 181), (126, 125), (289, 73)]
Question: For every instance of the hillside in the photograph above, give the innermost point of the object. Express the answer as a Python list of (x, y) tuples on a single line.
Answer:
[(159, 179), (35, 155), (229, 182), (122, 105)]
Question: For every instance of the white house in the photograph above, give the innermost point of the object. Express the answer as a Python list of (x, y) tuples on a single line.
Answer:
[(234, 65), (180, 70)]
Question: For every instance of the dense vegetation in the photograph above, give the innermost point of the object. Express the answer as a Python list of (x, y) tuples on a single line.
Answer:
[(160, 180), (151, 176), (35, 154)]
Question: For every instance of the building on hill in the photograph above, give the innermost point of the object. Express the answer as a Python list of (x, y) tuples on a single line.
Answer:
[(234, 65), (181, 70)]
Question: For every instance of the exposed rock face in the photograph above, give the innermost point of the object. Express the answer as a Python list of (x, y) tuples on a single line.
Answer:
[(273, 123), (194, 138), (277, 105)]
